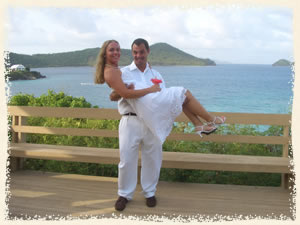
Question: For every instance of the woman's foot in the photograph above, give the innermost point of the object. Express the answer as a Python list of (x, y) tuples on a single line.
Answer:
[(205, 129), (218, 120)]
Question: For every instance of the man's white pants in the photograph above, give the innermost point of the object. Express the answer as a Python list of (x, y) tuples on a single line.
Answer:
[(133, 132)]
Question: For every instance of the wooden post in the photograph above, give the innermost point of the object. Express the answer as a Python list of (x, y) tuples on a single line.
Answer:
[(17, 137), (285, 153)]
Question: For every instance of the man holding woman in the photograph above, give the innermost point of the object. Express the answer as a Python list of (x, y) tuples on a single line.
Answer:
[(148, 112)]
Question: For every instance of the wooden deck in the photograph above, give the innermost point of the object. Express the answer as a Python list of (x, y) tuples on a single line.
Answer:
[(52, 194)]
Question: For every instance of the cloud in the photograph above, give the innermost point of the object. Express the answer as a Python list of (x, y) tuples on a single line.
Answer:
[(236, 34), (49, 30)]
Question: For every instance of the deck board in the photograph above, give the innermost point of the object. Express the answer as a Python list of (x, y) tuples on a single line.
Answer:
[(68, 195)]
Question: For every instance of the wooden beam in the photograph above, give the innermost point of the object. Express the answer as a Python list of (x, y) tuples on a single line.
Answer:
[(92, 113), (97, 113), (180, 160), (66, 131), (179, 137)]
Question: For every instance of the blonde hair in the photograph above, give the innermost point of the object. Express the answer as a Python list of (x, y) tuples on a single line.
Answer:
[(100, 63)]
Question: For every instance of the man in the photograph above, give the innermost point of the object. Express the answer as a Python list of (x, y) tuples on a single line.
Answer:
[(133, 132)]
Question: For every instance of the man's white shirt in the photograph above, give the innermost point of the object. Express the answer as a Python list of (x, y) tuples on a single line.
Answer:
[(132, 75)]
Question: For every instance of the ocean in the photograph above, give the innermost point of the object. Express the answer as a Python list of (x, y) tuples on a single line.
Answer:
[(221, 88)]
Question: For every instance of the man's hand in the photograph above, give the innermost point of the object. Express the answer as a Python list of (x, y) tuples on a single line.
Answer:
[(114, 96), (130, 86)]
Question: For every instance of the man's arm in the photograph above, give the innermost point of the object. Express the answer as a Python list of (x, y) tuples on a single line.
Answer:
[(114, 81), (114, 96)]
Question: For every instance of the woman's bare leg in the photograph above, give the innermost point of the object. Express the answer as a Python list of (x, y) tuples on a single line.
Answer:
[(193, 106), (193, 118), (199, 126), (193, 109)]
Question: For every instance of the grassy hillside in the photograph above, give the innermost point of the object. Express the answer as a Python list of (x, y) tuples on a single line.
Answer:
[(160, 54)]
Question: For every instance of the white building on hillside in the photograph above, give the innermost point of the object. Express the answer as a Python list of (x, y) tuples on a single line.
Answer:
[(17, 67)]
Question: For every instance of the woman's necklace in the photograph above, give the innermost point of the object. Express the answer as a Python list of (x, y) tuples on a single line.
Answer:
[(112, 66)]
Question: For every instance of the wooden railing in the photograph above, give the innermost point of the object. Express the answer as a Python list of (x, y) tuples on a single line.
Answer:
[(270, 164)]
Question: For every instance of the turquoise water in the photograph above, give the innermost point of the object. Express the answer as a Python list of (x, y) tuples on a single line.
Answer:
[(221, 88)]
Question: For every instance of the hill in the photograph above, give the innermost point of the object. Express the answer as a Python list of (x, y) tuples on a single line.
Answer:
[(165, 54), (282, 62), (160, 54)]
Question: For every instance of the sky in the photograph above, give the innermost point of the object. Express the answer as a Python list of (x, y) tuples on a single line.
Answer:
[(243, 35)]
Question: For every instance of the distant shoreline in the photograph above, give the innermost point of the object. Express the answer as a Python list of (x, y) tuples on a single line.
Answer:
[(220, 64)]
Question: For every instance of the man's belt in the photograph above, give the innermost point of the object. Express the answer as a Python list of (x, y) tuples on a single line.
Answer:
[(129, 114)]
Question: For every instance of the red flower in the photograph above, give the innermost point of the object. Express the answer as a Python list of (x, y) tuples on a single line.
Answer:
[(156, 81)]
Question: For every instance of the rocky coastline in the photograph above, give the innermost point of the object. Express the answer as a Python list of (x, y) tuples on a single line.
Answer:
[(24, 75)]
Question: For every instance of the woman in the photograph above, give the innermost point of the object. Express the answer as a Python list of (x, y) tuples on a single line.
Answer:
[(157, 107)]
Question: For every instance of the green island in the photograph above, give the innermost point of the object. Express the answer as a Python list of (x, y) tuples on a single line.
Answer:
[(60, 99), (282, 62), (160, 54), (24, 75)]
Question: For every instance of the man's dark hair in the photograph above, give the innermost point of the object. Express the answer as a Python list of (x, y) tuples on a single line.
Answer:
[(140, 41)]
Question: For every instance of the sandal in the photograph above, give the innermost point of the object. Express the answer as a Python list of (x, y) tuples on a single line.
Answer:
[(221, 118), (207, 132)]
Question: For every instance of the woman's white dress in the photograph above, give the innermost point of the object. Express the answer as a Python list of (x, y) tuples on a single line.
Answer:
[(159, 110)]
